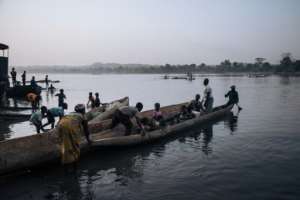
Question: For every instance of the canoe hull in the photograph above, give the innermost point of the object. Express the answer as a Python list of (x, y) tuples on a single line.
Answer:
[(161, 133), (28, 151)]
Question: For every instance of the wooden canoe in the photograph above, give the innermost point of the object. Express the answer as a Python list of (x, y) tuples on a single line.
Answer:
[(40, 149), (14, 116), (106, 138), (14, 108), (28, 151)]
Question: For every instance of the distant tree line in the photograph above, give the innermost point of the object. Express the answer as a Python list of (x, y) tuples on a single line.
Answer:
[(287, 65)]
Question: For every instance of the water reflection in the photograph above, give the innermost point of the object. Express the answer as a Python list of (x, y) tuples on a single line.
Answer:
[(104, 173), (232, 121)]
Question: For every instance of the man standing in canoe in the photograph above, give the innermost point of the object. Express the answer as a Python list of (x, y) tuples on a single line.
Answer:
[(208, 98), (233, 97), (70, 129), (124, 115)]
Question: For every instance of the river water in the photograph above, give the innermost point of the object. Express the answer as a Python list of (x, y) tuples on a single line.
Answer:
[(253, 155)]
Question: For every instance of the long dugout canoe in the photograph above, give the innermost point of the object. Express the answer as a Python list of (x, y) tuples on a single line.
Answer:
[(106, 139), (25, 152)]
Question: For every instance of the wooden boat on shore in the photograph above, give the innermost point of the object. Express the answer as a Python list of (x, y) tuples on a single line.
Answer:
[(8, 108), (35, 150), (14, 116), (21, 91)]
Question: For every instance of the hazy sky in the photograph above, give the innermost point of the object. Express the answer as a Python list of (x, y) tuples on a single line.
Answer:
[(148, 31)]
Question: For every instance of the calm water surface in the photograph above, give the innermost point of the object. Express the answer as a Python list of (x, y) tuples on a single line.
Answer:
[(253, 156)]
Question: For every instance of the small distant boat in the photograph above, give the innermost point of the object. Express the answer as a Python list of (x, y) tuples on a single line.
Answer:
[(44, 81), (258, 75), (183, 78)]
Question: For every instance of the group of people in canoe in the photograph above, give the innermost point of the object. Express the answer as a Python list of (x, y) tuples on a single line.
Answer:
[(71, 127)]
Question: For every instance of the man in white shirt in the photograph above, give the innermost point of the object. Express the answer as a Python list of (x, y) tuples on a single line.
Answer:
[(208, 97)]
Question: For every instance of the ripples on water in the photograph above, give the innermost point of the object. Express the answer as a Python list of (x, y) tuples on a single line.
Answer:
[(252, 156)]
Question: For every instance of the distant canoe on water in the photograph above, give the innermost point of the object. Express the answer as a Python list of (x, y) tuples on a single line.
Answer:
[(35, 150), (178, 77), (258, 75), (44, 81)]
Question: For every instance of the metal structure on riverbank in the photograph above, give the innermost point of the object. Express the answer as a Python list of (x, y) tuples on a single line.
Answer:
[(4, 83)]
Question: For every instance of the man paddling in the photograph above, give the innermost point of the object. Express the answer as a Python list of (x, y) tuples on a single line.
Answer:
[(233, 97), (124, 114)]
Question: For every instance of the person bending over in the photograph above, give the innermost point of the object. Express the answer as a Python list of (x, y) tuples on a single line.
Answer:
[(51, 114), (124, 114)]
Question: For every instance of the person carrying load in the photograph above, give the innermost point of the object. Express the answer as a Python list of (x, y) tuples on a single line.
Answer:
[(70, 129), (124, 114), (34, 99)]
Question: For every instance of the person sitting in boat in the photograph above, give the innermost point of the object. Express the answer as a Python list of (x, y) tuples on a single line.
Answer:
[(34, 99), (36, 119), (124, 114), (157, 116), (196, 104), (233, 97), (61, 96), (91, 101), (51, 114), (97, 100), (186, 113), (70, 129), (33, 82), (208, 97)]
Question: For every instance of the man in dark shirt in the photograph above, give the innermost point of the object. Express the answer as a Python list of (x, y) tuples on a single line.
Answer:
[(97, 100), (33, 82), (61, 96), (233, 97), (13, 74), (24, 78)]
